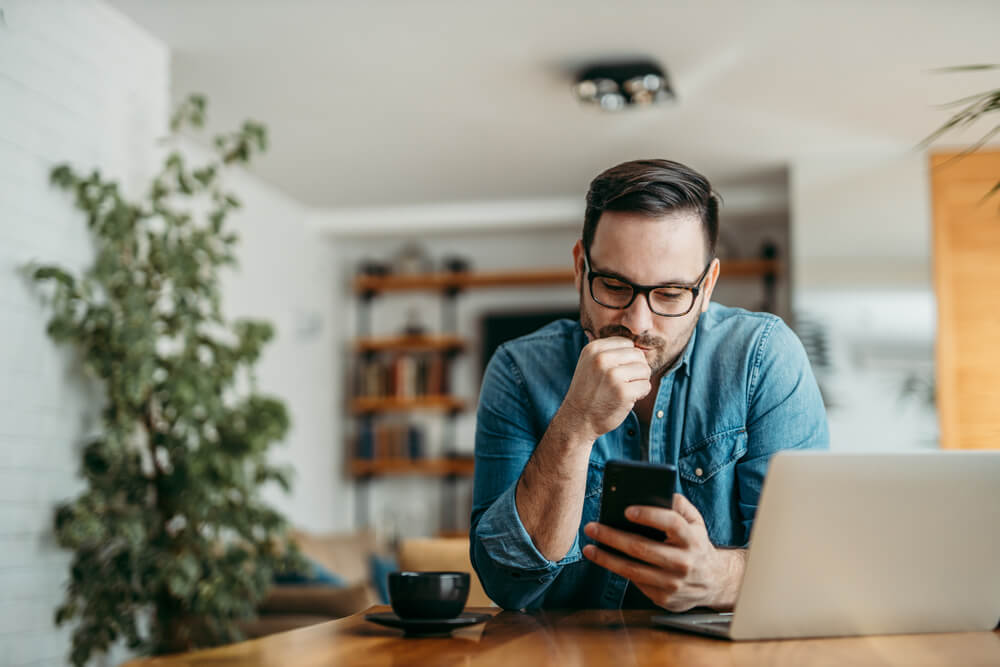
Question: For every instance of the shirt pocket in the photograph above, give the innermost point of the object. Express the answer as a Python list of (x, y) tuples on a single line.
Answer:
[(697, 465)]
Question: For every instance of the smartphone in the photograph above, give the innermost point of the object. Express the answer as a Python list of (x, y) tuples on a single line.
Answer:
[(628, 483)]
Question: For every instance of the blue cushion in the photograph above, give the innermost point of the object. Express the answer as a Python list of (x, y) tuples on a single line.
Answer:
[(315, 575), (381, 566)]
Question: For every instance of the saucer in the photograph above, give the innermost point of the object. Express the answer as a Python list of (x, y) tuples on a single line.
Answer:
[(426, 627)]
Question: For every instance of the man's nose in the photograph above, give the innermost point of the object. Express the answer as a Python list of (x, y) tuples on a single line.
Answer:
[(638, 317)]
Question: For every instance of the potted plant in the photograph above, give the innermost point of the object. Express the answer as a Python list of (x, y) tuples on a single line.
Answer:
[(171, 542)]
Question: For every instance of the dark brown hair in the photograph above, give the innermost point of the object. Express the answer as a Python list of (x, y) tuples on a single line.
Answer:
[(652, 187)]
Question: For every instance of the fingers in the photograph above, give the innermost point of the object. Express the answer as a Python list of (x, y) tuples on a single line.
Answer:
[(659, 554), (609, 343), (618, 356), (630, 382), (642, 574), (676, 526), (666, 596), (683, 506), (630, 372)]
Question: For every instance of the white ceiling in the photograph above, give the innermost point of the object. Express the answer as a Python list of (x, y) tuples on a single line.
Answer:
[(386, 103)]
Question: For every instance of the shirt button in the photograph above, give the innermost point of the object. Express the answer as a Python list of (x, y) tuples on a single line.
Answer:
[(659, 414), (698, 472), (631, 432)]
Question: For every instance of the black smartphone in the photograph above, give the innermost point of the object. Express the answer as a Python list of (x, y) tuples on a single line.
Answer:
[(628, 483)]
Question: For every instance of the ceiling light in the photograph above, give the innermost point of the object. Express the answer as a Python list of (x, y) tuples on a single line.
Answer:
[(615, 86)]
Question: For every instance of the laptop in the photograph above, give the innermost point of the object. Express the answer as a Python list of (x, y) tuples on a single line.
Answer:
[(863, 544)]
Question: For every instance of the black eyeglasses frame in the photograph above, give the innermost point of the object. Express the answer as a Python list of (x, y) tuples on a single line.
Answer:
[(694, 288)]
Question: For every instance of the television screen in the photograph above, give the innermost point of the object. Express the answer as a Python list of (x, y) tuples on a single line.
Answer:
[(498, 328)]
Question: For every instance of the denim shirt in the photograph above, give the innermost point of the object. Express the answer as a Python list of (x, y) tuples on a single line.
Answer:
[(741, 391)]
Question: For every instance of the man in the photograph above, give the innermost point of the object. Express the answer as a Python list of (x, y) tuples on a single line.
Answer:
[(653, 371)]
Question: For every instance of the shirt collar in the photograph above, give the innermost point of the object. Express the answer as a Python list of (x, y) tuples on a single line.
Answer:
[(686, 357), (683, 364)]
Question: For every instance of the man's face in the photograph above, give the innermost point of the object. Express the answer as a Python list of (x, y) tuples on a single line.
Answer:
[(646, 251)]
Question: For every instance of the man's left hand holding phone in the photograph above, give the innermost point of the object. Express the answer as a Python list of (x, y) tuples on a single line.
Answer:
[(658, 543)]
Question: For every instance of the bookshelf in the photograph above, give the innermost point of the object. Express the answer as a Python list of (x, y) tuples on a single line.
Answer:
[(401, 375)]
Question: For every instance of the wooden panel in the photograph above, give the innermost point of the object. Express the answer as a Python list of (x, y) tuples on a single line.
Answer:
[(967, 281)]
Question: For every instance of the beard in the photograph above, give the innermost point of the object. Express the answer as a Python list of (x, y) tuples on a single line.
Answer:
[(661, 353)]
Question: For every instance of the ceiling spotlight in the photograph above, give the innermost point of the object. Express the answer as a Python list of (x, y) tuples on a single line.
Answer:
[(615, 86)]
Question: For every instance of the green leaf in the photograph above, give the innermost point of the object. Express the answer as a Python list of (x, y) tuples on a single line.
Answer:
[(55, 273), (205, 176), (63, 176)]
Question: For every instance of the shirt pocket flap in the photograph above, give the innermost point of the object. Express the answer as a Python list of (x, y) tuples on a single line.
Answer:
[(701, 462)]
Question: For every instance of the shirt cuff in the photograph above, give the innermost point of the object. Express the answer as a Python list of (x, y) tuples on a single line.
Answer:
[(508, 543)]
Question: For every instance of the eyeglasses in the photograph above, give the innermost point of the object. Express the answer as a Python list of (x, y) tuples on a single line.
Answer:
[(667, 300)]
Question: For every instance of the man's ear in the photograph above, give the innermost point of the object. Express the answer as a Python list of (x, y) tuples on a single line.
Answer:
[(709, 284), (578, 264)]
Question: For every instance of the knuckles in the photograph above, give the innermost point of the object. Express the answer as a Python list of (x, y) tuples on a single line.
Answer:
[(602, 363), (643, 552), (683, 566)]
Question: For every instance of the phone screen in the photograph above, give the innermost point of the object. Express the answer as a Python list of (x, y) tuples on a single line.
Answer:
[(628, 483)]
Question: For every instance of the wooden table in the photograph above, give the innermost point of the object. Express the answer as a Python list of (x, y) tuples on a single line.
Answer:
[(568, 638)]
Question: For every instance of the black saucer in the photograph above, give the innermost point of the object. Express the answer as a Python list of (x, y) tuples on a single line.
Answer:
[(426, 627)]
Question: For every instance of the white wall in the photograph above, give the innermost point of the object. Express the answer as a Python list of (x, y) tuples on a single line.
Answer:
[(861, 221), (286, 276), (861, 252), (78, 83)]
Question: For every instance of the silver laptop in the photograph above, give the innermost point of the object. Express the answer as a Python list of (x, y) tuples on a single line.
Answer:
[(863, 544)]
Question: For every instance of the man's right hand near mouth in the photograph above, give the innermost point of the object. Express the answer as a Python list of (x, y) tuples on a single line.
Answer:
[(610, 376)]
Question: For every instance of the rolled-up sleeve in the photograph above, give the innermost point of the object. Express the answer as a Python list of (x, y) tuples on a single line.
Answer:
[(513, 572), (785, 411)]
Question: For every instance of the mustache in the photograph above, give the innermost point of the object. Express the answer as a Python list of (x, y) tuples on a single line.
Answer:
[(651, 342)]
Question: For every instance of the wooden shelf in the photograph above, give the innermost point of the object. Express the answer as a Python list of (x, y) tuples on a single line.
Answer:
[(411, 343), (452, 534), (462, 280), (750, 268), (377, 405), (429, 467), (736, 268)]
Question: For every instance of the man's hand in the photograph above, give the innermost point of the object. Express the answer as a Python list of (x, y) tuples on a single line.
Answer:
[(683, 572), (611, 375)]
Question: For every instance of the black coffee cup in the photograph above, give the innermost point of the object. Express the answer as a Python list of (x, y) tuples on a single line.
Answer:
[(428, 595)]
